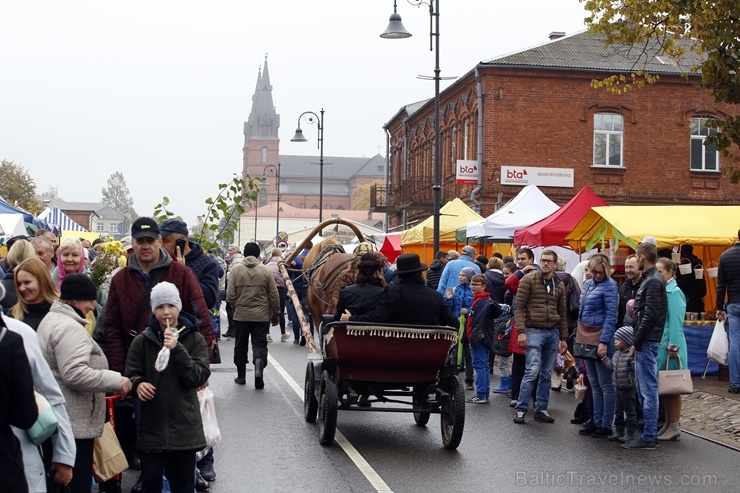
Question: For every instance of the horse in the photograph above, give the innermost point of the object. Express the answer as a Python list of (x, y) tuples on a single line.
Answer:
[(322, 266)]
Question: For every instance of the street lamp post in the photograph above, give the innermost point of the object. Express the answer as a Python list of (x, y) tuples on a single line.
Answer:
[(395, 30), (298, 137), (276, 170)]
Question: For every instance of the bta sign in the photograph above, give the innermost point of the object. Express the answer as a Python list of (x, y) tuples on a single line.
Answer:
[(467, 172), (543, 177)]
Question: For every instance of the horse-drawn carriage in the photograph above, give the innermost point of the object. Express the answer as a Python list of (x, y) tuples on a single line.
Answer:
[(402, 369)]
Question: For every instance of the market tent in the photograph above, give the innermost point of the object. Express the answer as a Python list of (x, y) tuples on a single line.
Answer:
[(391, 247), (58, 218), (551, 231), (529, 206), (670, 225), (12, 224), (6, 208), (420, 239)]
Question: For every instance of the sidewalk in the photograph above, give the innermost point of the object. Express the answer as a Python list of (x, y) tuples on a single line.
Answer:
[(711, 412)]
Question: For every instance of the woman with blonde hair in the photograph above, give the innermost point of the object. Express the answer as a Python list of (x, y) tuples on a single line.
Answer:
[(70, 260), (19, 251), (36, 292)]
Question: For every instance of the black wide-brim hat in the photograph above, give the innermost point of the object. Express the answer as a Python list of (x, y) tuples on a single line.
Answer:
[(408, 263)]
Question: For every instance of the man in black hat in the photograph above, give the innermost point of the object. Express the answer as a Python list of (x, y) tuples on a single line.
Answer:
[(409, 301)]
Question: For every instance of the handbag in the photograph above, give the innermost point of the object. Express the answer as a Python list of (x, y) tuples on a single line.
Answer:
[(675, 382), (46, 424), (216, 355), (719, 346), (108, 457), (587, 341)]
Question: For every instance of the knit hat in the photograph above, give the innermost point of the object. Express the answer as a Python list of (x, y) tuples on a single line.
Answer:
[(469, 272), (78, 287), (624, 334), (165, 292), (252, 249)]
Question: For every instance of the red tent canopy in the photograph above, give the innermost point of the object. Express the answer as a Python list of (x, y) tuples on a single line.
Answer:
[(551, 231), (392, 246)]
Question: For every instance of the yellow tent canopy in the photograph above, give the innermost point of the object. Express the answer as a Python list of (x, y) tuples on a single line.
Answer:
[(453, 215), (670, 225)]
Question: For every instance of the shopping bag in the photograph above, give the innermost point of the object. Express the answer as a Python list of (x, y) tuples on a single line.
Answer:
[(674, 382), (208, 415), (719, 346), (108, 458)]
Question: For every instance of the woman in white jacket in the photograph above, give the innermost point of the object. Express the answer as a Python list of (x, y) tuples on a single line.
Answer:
[(81, 370)]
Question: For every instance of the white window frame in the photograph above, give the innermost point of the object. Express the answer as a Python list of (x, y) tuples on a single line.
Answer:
[(101, 227), (609, 133), (703, 133)]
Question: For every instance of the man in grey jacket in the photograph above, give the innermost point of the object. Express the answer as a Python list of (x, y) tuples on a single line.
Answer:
[(253, 294)]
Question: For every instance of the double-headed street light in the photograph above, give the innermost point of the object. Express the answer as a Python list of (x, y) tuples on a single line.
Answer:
[(395, 30), (312, 118), (276, 170)]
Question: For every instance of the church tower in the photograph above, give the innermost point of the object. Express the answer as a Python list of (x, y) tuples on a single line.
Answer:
[(261, 141)]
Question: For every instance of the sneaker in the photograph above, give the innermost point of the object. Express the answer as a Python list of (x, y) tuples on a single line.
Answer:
[(543, 417), (295, 342), (519, 417), (601, 432), (640, 444), (470, 386), (477, 400), (284, 337), (269, 338), (512, 403), (207, 471), (733, 390)]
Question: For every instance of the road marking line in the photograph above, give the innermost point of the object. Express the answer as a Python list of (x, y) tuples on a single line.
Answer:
[(365, 468)]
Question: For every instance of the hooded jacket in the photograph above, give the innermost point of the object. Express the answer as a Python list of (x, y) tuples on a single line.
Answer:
[(252, 291), (171, 420), (126, 296), (435, 273), (495, 285), (462, 297)]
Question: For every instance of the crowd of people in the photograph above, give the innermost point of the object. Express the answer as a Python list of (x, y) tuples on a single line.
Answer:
[(148, 331)]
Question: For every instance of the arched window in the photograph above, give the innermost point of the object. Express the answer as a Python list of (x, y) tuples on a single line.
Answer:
[(263, 160)]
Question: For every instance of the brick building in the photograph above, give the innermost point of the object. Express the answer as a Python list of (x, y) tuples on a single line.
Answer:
[(538, 110)]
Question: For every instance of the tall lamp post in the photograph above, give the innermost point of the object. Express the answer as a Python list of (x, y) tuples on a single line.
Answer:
[(276, 170), (312, 117), (395, 30)]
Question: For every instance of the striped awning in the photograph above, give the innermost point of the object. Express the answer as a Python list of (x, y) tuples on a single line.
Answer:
[(58, 218)]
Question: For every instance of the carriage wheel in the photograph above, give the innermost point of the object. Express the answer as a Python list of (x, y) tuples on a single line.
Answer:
[(327, 409), (310, 403), (421, 418), (452, 419)]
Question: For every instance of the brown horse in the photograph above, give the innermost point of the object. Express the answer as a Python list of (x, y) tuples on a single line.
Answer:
[(323, 265)]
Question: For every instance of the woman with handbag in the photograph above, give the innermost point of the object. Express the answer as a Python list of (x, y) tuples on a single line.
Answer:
[(672, 349), (599, 301), (81, 370)]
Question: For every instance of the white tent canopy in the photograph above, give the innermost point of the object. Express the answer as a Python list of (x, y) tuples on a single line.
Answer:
[(58, 218), (528, 207), (12, 224)]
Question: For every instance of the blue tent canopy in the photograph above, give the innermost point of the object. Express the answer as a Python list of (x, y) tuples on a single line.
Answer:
[(6, 208)]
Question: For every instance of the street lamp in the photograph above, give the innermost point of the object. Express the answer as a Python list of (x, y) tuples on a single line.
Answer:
[(312, 118), (395, 30), (264, 184)]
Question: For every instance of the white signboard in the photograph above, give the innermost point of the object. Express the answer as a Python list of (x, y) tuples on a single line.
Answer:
[(467, 172), (542, 177)]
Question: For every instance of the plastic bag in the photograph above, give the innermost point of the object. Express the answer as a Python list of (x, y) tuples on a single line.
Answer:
[(163, 358), (719, 346), (208, 414)]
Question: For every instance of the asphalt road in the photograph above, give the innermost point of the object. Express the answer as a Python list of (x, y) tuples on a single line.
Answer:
[(268, 447)]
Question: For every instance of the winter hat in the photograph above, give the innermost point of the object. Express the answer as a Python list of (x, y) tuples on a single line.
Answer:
[(630, 307), (469, 272), (78, 287), (165, 292), (252, 249), (624, 334)]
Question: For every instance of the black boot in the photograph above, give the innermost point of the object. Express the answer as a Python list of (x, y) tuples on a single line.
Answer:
[(200, 483), (138, 487), (259, 382), (241, 375)]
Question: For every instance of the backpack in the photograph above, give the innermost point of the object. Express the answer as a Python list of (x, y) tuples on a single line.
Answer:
[(574, 299), (501, 334)]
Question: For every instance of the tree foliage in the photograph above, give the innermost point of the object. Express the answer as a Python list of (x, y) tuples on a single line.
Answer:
[(361, 196), (116, 195), (713, 26), (18, 188)]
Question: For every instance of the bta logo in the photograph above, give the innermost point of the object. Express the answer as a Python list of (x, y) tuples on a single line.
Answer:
[(518, 175), (468, 169)]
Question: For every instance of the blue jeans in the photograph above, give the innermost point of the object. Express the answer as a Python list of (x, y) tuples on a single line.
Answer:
[(602, 391), (733, 360), (480, 356), (542, 348), (646, 374)]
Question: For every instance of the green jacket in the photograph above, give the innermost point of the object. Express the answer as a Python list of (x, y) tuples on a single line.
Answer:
[(171, 421), (673, 329)]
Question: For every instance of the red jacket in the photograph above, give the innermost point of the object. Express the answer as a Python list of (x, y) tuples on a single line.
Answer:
[(126, 295), (512, 284)]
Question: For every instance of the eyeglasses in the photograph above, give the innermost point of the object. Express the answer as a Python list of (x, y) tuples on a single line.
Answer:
[(597, 273), (476, 284), (546, 261)]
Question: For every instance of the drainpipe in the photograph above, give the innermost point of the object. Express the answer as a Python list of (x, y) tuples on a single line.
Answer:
[(387, 175), (476, 191), (404, 171)]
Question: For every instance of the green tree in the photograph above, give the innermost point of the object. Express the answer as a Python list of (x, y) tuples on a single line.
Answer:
[(361, 196), (713, 26), (18, 188), (116, 195)]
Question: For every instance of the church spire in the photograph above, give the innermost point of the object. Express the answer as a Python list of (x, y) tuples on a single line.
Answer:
[(263, 122)]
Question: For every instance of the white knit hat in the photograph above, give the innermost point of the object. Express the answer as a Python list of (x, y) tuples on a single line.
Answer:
[(165, 292)]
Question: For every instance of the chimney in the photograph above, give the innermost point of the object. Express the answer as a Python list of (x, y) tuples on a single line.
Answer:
[(556, 35)]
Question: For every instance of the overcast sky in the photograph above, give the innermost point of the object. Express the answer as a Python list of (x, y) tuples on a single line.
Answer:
[(160, 89)]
